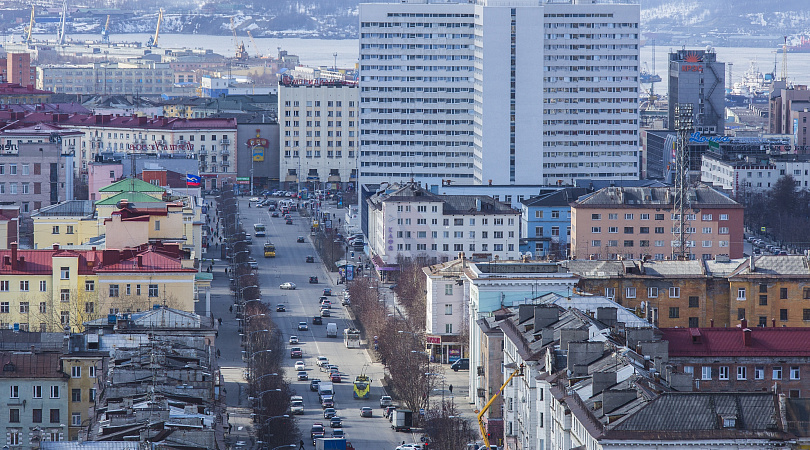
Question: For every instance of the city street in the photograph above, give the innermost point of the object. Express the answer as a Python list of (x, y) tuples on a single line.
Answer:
[(301, 305)]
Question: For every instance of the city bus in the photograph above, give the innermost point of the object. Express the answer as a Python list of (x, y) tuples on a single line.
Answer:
[(259, 229), (362, 387), (269, 250)]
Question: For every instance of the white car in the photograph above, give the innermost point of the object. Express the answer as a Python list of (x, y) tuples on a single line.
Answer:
[(293, 339), (255, 199), (410, 447), (299, 365), (288, 285), (322, 360)]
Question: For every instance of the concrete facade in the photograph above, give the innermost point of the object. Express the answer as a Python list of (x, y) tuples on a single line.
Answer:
[(147, 78), (696, 77)]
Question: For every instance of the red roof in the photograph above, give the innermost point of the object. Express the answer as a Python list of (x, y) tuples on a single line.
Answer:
[(729, 342), (147, 261), (31, 365), (18, 89)]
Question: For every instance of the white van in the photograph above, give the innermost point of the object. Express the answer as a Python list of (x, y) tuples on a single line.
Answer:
[(331, 330), (297, 404)]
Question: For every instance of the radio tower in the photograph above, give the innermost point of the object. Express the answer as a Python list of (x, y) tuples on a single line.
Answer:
[(684, 122)]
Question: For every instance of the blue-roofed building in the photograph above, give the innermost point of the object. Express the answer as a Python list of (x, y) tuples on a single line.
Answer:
[(545, 224)]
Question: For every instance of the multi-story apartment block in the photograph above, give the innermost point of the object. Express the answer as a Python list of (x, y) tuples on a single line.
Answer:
[(742, 178), (416, 94), (318, 124), (787, 111), (16, 68), (145, 78), (82, 366), (638, 223), (770, 290), (446, 318), (36, 408), (545, 224), (408, 221), (697, 78)]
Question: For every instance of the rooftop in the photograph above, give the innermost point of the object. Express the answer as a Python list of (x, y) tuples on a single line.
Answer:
[(131, 185), (701, 196), (731, 342), (18, 89), (563, 197), (69, 208), (451, 204), (132, 198), (31, 365)]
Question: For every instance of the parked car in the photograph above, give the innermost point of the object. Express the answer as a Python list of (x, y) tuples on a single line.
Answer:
[(313, 384), (296, 352), (302, 326), (288, 285), (366, 411), (302, 375), (317, 320), (385, 400), (293, 339)]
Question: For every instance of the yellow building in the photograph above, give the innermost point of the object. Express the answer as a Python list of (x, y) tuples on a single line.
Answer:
[(82, 369), (65, 224), (54, 289)]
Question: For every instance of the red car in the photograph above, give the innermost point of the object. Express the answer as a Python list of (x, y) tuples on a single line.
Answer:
[(316, 431), (335, 377)]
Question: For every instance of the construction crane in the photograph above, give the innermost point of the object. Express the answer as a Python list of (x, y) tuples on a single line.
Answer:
[(30, 29), (517, 373), (60, 33), (250, 35), (241, 53), (105, 32), (153, 41)]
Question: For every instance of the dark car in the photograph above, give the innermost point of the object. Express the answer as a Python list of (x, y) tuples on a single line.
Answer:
[(296, 352), (313, 280), (275, 214), (289, 222), (280, 308), (317, 320), (327, 292), (336, 422), (316, 431), (328, 403), (300, 240), (310, 259), (335, 377), (461, 364), (313, 384)]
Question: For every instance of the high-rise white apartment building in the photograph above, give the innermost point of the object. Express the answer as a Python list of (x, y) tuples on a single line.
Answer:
[(416, 92), (590, 91), (551, 91)]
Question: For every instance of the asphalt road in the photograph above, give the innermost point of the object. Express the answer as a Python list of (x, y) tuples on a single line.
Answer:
[(302, 304)]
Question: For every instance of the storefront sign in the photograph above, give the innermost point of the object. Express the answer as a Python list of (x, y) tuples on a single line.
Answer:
[(187, 146), (433, 339)]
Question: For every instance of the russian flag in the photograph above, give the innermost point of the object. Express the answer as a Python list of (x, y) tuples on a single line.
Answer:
[(192, 180)]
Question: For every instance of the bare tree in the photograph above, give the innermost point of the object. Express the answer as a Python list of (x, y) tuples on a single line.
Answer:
[(447, 430)]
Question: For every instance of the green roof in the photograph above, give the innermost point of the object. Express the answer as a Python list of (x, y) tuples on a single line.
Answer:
[(131, 197), (131, 185)]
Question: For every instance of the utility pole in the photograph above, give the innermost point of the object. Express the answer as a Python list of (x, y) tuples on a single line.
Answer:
[(684, 123)]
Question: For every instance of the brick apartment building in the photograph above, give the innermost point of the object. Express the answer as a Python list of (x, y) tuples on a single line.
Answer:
[(16, 68), (641, 223)]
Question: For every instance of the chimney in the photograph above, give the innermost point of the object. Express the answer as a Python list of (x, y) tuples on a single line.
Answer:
[(711, 323), (140, 260), (56, 247), (773, 323), (743, 324), (751, 265), (13, 256), (747, 337)]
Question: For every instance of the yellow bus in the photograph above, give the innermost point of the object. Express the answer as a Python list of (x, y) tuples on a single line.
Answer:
[(362, 387), (269, 250)]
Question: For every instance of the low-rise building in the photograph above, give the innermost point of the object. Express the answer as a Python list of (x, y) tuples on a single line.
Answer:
[(66, 224), (16, 94), (446, 320), (545, 223), (408, 221), (642, 223)]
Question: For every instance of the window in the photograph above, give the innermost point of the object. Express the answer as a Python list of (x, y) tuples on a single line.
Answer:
[(723, 216), (76, 419), (628, 217), (652, 292), (91, 371), (153, 290), (674, 292), (157, 225), (631, 292), (783, 315), (23, 307), (742, 372), (54, 229), (777, 373), (628, 243), (740, 313), (596, 229), (794, 373), (69, 229), (36, 416), (763, 288), (4, 307), (740, 293), (43, 286), (596, 243), (37, 392), (674, 312), (694, 301), (659, 230), (76, 372), (613, 216), (659, 217), (448, 310), (129, 289), (610, 293), (89, 286), (628, 230), (448, 328), (113, 290), (14, 415), (14, 392), (64, 317), (644, 230), (92, 395), (595, 217), (694, 322), (448, 289), (763, 300), (54, 391), (55, 415), (759, 372), (75, 395), (24, 286), (65, 272), (43, 307), (64, 295), (613, 229), (705, 373), (4, 285), (555, 214), (723, 372), (783, 293)]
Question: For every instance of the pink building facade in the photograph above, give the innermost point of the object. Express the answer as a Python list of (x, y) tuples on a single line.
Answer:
[(101, 174)]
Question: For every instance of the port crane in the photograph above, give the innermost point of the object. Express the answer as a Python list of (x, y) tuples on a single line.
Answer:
[(60, 33), (105, 32), (250, 35), (30, 28), (241, 53), (517, 373), (153, 40)]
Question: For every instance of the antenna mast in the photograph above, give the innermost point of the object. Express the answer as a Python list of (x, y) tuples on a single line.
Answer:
[(783, 75), (684, 123)]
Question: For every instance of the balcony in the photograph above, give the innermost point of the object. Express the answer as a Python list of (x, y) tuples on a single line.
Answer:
[(224, 152), (480, 371), (203, 152), (225, 141), (225, 163), (482, 393)]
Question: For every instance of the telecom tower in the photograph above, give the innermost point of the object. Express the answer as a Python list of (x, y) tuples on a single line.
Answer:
[(684, 123)]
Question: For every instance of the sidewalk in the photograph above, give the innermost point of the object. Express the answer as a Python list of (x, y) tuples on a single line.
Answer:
[(228, 345)]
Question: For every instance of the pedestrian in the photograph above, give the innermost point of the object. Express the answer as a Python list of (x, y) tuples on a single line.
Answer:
[(220, 322), (231, 309), (301, 447), (218, 353), (226, 271), (450, 387)]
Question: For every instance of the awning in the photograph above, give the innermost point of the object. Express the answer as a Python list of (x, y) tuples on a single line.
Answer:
[(380, 265)]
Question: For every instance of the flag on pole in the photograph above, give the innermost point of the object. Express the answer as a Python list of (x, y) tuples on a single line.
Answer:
[(192, 180)]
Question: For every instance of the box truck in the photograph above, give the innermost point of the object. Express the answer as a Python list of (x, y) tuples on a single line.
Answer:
[(332, 444), (401, 420)]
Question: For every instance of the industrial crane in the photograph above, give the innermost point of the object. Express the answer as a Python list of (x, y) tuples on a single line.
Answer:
[(153, 41), (250, 35), (241, 53), (61, 36), (517, 373), (30, 28), (105, 32)]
